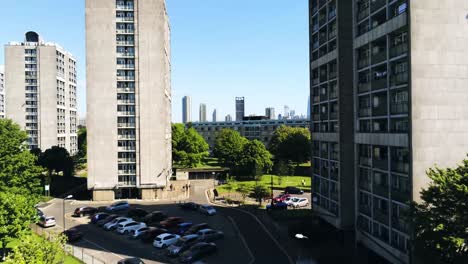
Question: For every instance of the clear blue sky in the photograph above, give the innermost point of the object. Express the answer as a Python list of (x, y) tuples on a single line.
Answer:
[(220, 49)]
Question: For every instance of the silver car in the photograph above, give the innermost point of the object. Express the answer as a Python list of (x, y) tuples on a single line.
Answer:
[(181, 245), (47, 221)]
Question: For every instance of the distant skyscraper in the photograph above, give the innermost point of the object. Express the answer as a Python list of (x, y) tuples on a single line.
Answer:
[(270, 112), (228, 118), (308, 107), (42, 94), (186, 109), (215, 116), (286, 112), (202, 113), (240, 108), (280, 117), (2, 92), (292, 114)]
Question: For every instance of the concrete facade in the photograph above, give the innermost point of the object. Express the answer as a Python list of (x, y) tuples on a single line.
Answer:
[(186, 109), (410, 114), (42, 97), (270, 113), (240, 108), (202, 113), (128, 97), (2, 91)]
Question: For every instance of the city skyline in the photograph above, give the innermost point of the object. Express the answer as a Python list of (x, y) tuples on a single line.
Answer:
[(202, 69)]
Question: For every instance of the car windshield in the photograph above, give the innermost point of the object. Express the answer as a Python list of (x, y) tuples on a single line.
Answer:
[(295, 199)]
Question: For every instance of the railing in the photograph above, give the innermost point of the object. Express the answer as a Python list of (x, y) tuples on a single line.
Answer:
[(381, 190), (363, 87), (126, 90), (125, 31), (316, 99), (124, 7), (332, 34), (398, 50), (126, 125), (399, 108), (125, 113), (316, 117), (400, 225), (332, 75), (126, 66), (125, 54), (379, 57), (379, 84), (125, 42), (363, 63), (377, 4), (126, 137), (381, 217), (126, 101), (362, 14), (120, 19), (333, 115), (365, 209), (381, 110), (331, 14), (399, 166), (400, 196), (127, 172), (125, 78), (364, 112), (127, 160), (399, 79), (365, 161)]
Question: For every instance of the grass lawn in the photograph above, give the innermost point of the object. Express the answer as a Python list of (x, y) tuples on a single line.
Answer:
[(266, 181)]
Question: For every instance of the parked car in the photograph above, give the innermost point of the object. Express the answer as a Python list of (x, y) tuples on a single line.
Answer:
[(195, 228), (73, 234), (209, 235), (152, 233), (300, 202), (289, 200), (126, 227), (113, 224), (98, 217), (277, 206), (198, 251), (137, 212), (139, 232), (171, 222), (118, 206), (107, 219), (130, 261), (207, 209), (281, 198), (189, 206), (182, 227), (293, 190), (154, 217), (82, 211), (47, 221), (181, 245), (165, 240), (39, 212)]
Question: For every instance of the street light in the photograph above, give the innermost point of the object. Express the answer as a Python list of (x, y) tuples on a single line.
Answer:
[(63, 209)]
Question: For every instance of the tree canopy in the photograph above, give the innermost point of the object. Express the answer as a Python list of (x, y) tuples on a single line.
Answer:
[(82, 144), (38, 249), (255, 159), (441, 219), (57, 159), (18, 170), (188, 147), (228, 147), (291, 144)]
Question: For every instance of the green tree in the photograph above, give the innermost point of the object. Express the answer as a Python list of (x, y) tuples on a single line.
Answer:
[(18, 169), (260, 192), (441, 220), (255, 159), (82, 144), (228, 148), (39, 250), (243, 190), (188, 147), (17, 212), (291, 144), (57, 159)]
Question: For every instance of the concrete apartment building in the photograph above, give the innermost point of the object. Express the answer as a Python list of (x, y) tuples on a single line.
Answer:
[(409, 97), (128, 98), (2, 91), (261, 130), (41, 98), (240, 108), (228, 118), (202, 113), (186, 109)]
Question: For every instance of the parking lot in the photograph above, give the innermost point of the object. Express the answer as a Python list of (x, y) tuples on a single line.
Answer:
[(304, 195), (112, 246)]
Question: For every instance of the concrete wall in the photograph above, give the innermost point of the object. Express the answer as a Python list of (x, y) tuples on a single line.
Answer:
[(15, 79), (439, 80), (101, 87)]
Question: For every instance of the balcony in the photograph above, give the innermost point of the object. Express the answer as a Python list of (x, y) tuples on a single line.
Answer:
[(379, 57), (124, 7), (333, 115), (379, 84), (332, 75), (332, 34), (126, 101), (363, 62), (398, 50), (399, 108), (125, 113), (125, 78), (125, 31), (400, 166), (377, 4), (324, 96), (380, 190), (380, 163), (365, 161), (127, 172), (316, 99), (125, 54), (365, 209), (126, 148), (380, 216), (126, 160), (126, 125), (363, 87), (126, 137), (400, 225), (331, 13), (315, 45), (399, 79), (315, 81), (364, 112), (125, 43), (361, 14), (400, 196), (124, 19), (334, 174), (324, 172), (322, 3), (126, 90), (126, 66), (334, 195), (316, 117)]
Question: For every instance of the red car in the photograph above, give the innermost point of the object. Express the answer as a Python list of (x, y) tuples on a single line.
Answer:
[(171, 222), (281, 197)]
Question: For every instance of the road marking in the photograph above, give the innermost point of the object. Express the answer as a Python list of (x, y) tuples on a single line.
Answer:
[(243, 240), (260, 223)]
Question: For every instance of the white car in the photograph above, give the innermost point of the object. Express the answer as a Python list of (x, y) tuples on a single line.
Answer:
[(165, 240), (290, 200), (208, 210), (47, 221), (300, 202), (113, 224), (127, 227)]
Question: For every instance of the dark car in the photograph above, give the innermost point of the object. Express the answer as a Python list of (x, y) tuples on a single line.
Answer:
[(182, 245), (171, 222), (130, 261), (281, 197), (150, 235), (182, 227), (137, 212), (198, 251), (189, 206), (82, 211), (154, 217), (107, 219), (98, 217), (195, 228), (277, 206), (293, 190), (73, 234)]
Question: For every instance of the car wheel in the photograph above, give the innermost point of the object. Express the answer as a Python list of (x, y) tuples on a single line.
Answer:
[(125, 232), (163, 246)]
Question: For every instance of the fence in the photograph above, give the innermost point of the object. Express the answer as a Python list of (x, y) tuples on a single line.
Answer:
[(78, 252)]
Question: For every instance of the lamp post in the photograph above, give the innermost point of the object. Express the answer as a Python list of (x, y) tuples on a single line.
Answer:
[(63, 209)]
